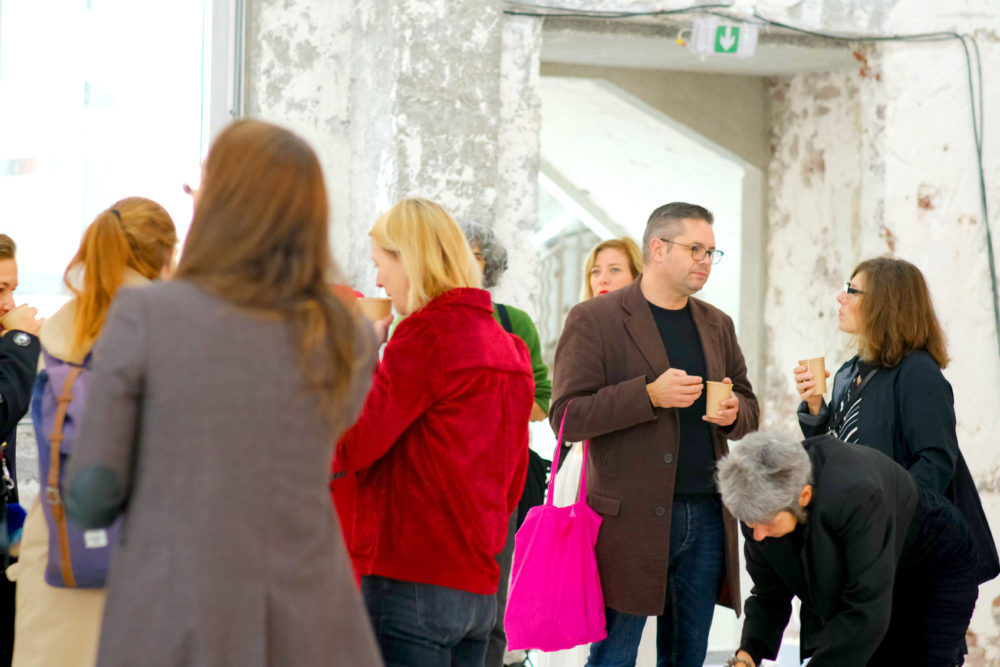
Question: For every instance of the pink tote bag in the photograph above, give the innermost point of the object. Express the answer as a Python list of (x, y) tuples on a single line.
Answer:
[(555, 600)]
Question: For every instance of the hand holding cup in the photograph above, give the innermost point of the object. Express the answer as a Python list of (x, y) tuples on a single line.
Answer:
[(810, 382), (721, 407)]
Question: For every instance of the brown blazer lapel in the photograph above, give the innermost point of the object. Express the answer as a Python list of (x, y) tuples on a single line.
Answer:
[(711, 343), (641, 327)]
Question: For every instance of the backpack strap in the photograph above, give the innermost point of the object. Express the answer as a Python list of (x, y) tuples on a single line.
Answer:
[(504, 318), (52, 488)]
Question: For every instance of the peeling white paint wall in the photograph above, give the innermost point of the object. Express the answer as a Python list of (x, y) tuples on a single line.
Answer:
[(880, 160), (299, 67), (406, 98), (517, 161)]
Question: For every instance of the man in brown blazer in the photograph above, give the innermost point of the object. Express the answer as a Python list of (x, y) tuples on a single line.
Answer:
[(630, 368)]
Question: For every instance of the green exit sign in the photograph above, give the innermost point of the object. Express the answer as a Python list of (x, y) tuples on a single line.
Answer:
[(710, 36), (727, 39)]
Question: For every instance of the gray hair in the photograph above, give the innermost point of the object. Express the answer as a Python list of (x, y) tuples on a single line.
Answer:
[(763, 475), (667, 221), (494, 253)]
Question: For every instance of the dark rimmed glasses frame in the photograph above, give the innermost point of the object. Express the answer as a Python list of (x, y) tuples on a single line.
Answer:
[(698, 251)]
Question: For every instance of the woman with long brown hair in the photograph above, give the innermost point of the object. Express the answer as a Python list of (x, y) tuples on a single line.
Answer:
[(215, 402), (892, 395), (129, 244)]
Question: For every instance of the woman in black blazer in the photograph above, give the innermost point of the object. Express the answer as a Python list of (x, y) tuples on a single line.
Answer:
[(885, 569), (893, 396)]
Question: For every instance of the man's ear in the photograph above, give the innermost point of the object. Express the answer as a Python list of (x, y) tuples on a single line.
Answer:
[(806, 495)]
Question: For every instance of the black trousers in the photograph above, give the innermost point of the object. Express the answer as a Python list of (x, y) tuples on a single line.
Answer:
[(498, 638), (7, 589), (935, 591)]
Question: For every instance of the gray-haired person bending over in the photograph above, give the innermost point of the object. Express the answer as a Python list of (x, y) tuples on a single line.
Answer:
[(885, 569), (492, 258)]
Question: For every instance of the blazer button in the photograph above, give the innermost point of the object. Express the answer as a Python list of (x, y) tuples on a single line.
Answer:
[(668, 458), (661, 510)]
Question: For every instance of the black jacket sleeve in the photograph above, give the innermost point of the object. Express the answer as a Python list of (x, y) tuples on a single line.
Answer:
[(768, 607), (925, 407), (18, 365)]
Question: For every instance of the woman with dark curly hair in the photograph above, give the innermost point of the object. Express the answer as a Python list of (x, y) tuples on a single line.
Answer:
[(892, 395)]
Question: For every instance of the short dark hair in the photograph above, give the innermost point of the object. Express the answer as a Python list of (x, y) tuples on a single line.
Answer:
[(7, 247), (667, 219)]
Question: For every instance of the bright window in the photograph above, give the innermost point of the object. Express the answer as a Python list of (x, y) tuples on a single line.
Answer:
[(99, 100)]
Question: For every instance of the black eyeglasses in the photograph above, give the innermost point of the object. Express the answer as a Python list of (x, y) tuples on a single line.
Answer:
[(699, 251), (850, 290)]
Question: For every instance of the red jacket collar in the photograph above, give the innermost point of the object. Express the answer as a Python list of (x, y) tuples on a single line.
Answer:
[(463, 296)]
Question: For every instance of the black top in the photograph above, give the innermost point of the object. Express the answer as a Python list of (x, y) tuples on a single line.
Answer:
[(845, 419), (696, 459)]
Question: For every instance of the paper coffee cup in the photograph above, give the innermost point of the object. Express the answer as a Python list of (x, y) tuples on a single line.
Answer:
[(817, 366), (715, 393), (6, 318), (375, 308)]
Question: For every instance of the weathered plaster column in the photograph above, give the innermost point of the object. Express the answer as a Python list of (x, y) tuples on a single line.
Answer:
[(880, 160), (406, 98), (300, 62), (517, 160)]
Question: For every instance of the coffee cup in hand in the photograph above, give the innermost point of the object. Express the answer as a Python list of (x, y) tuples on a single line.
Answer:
[(375, 308), (817, 366), (715, 393)]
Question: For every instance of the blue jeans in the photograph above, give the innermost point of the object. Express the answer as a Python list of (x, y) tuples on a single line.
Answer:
[(420, 625), (697, 561)]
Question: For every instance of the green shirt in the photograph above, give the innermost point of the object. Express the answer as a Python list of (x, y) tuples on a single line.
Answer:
[(524, 329)]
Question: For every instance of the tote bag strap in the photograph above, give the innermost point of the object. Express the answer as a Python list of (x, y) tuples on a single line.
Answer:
[(52, 489), (582, 491)]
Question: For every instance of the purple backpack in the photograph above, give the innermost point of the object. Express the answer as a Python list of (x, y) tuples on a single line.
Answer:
[(78, 558)]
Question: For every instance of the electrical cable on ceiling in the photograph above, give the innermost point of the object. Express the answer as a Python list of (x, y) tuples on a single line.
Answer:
[(964, 40)]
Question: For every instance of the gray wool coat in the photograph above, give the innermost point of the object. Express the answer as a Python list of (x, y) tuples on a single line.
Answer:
[(609, 350), (199, 430)]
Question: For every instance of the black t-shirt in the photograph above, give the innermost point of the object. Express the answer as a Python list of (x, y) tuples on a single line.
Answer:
[(696, 456)]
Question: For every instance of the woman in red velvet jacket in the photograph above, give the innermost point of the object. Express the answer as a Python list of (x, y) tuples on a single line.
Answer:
[(442, 446)]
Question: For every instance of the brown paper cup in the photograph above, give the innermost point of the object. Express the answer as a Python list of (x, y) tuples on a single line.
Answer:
[(817, 366), (375, 308), (715, 393), (6, 318)]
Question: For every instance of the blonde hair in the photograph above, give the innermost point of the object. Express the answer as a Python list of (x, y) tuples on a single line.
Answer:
[(135, 233), (625, 245), (432, 248)]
